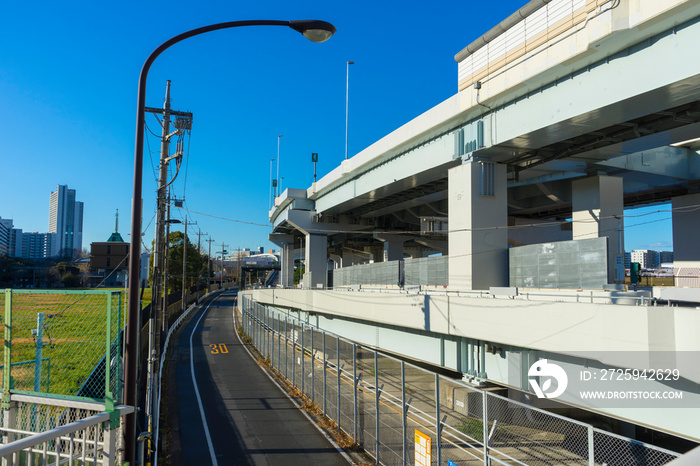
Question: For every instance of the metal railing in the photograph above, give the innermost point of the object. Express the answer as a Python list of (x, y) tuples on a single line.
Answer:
[(386, 405), (50, 430)]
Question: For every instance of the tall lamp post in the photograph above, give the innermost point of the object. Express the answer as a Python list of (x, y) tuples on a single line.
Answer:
[(270, 201), (279, 183), (314, 30), (347, 94)]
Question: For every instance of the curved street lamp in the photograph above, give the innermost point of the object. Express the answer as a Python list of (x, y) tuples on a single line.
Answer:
[(315, 31)]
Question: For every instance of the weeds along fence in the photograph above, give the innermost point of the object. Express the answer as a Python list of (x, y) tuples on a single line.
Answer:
[(63, 343), (402, 414)]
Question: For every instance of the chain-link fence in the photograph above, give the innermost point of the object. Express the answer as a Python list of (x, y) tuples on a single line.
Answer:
[(63, 342), (386, 404)]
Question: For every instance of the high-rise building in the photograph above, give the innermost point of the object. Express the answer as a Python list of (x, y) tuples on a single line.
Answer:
[(5, 232), (37, 245), (65, 221), (16, 242), (665, 257), (646, 258)]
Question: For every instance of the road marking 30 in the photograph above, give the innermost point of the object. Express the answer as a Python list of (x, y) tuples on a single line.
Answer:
[(219, 348)]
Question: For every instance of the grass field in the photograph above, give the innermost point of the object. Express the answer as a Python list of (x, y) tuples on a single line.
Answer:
[(74, 336)]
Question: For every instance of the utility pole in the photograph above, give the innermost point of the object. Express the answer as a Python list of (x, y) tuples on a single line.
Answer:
[(199, 240), (158, 307), (166, 266), (184, 267), (199, 251), (210, 240), (240, 270), (221, 277)]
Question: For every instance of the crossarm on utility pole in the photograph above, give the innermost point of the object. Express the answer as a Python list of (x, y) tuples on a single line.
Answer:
[(171, 112)]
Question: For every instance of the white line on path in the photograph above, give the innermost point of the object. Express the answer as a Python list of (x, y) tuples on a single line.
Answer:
[(330, 439), (196, 391)]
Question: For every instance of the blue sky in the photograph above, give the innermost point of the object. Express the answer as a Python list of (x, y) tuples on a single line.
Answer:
[(68, 81)]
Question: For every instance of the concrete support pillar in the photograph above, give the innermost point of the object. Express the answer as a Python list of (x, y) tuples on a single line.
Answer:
[(478, 236), (316, 261), (351, 257), (686, 248), (337, 260), (597, 211), (286, 245), (287, 265), (393, 246), (377, 253)]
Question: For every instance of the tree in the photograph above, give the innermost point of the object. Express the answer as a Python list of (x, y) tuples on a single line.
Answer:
[(196, 262), (68, 273), (69, 280), (7, 270)]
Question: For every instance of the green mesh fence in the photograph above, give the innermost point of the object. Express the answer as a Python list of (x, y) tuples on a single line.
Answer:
[(64, 343)]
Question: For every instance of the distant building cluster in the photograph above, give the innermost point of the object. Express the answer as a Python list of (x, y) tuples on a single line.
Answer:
[(65, 235), (648, 259), (246, 252)]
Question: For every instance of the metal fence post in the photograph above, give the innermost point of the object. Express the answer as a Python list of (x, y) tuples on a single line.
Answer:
[(120, 325), (286, 347), (376, 404), (485, 428), (591, 449), (354, 388), (313, 364), (7, 357), (404, 410), (323, 342), (303, 355), (438, 424), (109, 400), (337, 367), (279, 344), (294, 353), (39, 349), (261, 336)]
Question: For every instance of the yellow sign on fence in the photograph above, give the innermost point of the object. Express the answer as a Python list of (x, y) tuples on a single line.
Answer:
[(422, 451)]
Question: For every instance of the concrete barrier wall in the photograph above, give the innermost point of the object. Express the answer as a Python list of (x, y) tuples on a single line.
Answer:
[(534, 324)]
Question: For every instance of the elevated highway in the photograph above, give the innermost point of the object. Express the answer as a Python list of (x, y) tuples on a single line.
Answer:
[(567, 114), (608, 106)]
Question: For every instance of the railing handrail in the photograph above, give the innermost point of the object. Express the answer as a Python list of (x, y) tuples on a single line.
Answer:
[(58, 401), (523, 293), (57, 432)]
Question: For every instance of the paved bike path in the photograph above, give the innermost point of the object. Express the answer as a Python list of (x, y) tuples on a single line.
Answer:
[(247, 419)]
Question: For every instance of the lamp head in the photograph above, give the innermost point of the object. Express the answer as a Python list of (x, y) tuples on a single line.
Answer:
[(313, 29)]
